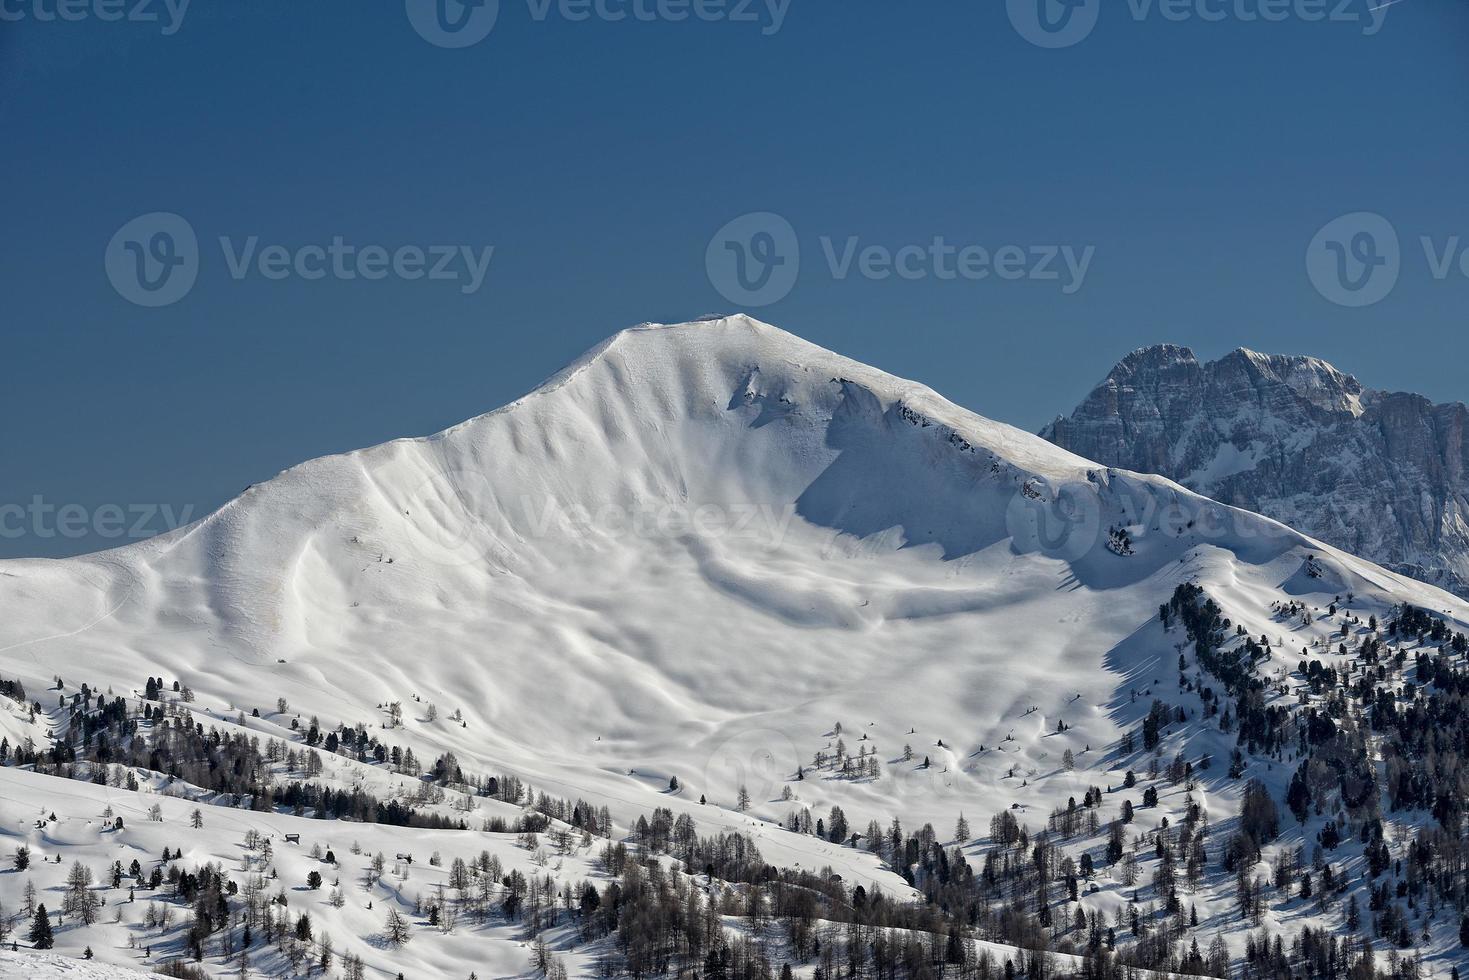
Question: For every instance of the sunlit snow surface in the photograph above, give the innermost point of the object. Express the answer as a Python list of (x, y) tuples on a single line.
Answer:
[(691, 554)]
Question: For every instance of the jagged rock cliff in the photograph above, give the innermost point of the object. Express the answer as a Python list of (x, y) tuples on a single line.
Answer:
[(1378, 474)]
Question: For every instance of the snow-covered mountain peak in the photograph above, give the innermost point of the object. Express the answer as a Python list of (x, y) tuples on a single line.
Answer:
[(784, 448), (1153, 372), (623, 404), (1377, 474), (728, 450), (664, 576), (1313, 379)]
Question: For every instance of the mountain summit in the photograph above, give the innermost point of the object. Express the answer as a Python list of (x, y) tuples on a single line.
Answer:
[(655, 532), (714, 582), (1379, 474)]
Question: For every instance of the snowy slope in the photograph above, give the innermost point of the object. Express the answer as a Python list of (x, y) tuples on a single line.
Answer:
[(123, 940), (54, 966), (120, 937), (1380, 474), (692, 553)]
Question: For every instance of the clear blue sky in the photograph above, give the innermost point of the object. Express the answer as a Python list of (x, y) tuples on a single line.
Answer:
[(1199, 157)]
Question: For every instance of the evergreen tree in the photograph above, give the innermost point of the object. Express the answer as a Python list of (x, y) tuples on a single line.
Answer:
[(41, 929), (837, 825), (1298, 796)]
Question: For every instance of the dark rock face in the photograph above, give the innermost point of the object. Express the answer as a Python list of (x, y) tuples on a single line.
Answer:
[(1378, 474)]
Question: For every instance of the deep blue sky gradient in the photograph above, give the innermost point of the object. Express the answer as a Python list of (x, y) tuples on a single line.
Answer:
[(599, 158)]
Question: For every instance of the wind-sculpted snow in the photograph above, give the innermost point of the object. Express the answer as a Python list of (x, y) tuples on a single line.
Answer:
[(54, 966), (690, 554), (634, 543)]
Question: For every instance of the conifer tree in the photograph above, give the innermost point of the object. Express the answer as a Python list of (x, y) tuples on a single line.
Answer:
[(41, 929)]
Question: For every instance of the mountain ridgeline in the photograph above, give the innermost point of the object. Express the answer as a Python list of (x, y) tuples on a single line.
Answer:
[(1379, 474), (813, 673)]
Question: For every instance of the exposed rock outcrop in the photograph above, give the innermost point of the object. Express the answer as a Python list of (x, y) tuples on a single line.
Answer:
[(1378, 474)]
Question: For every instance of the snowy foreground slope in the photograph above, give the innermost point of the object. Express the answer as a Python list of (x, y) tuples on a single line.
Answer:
[(690, 555), (53, 966)]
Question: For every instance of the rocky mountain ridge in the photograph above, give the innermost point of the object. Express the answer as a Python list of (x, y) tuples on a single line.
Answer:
[(1380, 474)]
